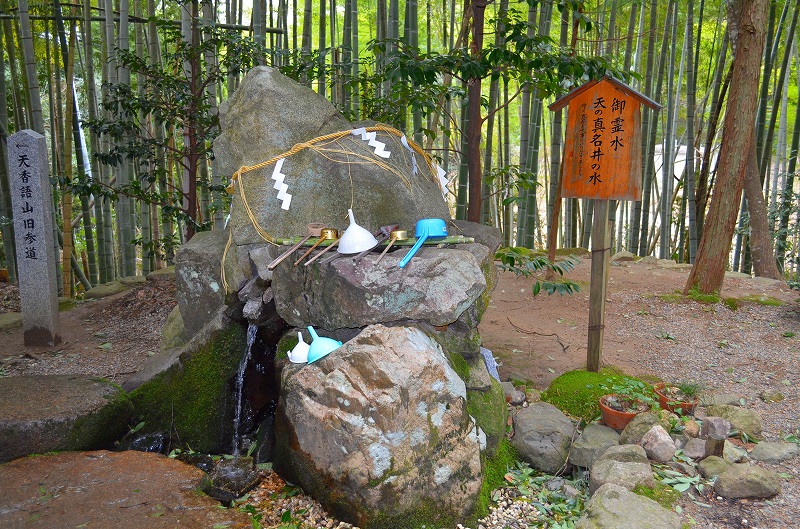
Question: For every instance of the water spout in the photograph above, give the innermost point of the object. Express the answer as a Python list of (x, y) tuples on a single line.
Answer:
[(237, 419)]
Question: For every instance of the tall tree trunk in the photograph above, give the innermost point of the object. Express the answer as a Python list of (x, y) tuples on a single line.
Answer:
[(668, 173), (17, 85), (763, 258), (126, 207), (641, 208), (787, 200), (766, 153), (649, 175), (718, 91), (5, 188), (101, 274), (748, 20), (475, 121)]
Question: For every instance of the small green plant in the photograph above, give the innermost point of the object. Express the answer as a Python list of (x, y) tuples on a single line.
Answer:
[(680, 482), (629, 394), (665, 335), (525, 262), (789, 334), (556, 509)]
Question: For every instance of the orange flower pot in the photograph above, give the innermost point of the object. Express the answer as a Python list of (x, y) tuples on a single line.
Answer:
[(669, 403), (615, 418)]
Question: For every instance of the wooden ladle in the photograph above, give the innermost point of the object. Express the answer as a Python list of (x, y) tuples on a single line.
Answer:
[(396, 235), (312, 230), (326, 235)]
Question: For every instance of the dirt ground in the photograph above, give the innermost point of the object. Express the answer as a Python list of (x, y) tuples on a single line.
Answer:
[(539, 338), (109, 337)]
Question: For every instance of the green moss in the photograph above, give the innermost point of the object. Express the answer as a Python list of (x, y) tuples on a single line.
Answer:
[(190, 399), (490, 413), (700, 297), (106, 425), (494, 472), (459, 365), (65, 304), (767, 301), (428, 514), (731, 303), (576, 393), (664, 495), (674, 297), (285, 344)]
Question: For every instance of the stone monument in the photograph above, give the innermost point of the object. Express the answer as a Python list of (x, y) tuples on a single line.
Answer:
[(32, 202)]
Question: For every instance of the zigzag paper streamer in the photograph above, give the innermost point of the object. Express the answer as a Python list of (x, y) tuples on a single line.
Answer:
[(380, 147), (278, 176), (443, 181), (404, 141)]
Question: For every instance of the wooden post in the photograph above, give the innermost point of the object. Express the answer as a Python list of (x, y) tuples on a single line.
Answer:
[(601, 255), (602, 161)]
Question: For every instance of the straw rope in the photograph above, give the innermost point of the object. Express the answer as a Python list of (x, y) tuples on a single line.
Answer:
[(324, 146), (321, 145), (222, 276)]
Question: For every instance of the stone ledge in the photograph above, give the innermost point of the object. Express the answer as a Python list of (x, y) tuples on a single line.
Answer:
[(43, 413)]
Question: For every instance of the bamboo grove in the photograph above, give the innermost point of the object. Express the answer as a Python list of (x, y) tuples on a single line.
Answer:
[(127, 94)]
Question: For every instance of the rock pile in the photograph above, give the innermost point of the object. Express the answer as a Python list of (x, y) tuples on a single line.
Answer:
[(619, 462)]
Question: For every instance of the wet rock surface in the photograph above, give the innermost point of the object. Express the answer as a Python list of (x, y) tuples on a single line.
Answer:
[(108, 489)]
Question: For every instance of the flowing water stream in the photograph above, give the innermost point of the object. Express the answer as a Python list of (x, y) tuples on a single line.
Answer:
[(237, 419)]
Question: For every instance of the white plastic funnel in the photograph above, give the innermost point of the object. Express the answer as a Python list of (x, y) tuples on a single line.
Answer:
[(355, 239), (299, 355)]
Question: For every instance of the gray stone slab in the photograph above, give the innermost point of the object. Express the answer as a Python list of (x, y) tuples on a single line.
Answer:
[(31, 201), (43, 413)]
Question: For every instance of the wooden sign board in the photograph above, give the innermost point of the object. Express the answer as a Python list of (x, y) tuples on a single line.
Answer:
[(603, 148)]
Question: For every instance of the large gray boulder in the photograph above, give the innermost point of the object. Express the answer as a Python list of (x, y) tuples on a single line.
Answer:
[(199, 285), (747, 481), (614, 507), (188, 390), (44, 413), (623, 465), (741, 419), (436, 287), (542, 436), (774, 451), (658, 444), (593, 441), (378, 431), (267, 116)]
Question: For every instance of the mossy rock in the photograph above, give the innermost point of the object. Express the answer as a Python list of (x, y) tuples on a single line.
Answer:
[(105, 290), (490, 413), (577, 392), (105, 426), (65, 303), (10, 320), (191, 399)]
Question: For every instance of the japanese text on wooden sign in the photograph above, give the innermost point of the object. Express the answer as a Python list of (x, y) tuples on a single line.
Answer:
[(603, 143)]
